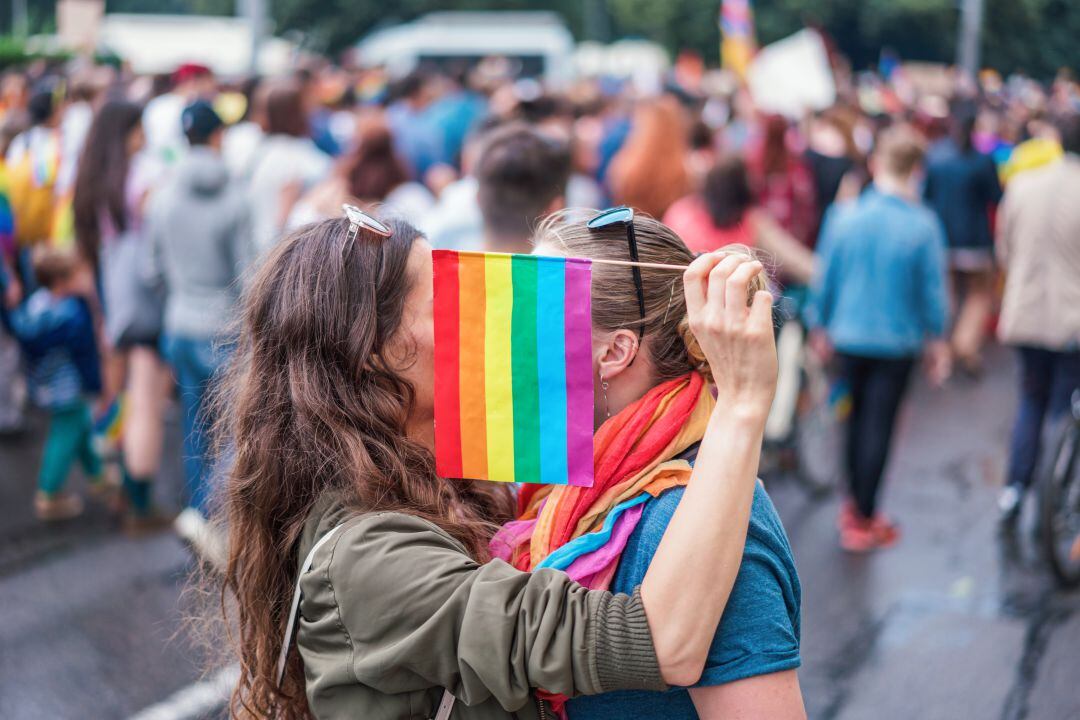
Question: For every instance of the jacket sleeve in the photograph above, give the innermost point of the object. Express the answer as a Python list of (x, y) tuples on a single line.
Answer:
[(418, 613)]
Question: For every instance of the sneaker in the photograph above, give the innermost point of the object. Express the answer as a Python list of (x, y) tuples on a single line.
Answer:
[(206, 539), (886, 532), (862, 536), (62, 506), (847, 516), (858, 538), (1009, 502)]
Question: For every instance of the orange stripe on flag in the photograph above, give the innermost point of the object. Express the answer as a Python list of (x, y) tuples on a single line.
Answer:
[(473, 402)]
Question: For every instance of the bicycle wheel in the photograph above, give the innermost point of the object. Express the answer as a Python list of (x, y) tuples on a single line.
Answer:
[(819, 432), (1059, 508)]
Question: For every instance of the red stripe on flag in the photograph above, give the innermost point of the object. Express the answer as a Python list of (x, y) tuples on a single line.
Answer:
[(445, 310)]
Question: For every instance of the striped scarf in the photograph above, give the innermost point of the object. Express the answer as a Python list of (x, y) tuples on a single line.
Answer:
[(583, 531)]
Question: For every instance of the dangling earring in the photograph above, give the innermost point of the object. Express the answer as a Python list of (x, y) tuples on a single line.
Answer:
[(603, 388)]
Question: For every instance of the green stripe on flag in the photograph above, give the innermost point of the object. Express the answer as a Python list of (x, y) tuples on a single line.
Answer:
[(525, 382)]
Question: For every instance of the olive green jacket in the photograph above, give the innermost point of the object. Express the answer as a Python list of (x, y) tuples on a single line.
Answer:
[(394, 610)]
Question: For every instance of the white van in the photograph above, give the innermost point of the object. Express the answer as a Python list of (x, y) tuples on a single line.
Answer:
[(538, 42)]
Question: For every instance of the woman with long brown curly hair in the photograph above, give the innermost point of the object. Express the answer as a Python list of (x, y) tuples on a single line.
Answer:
[(330, 416)]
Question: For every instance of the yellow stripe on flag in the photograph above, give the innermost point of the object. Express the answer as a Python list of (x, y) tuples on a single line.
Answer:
[(498, 376)]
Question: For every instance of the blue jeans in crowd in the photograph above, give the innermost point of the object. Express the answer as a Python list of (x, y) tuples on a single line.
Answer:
[(195, 361), (1047, 381)]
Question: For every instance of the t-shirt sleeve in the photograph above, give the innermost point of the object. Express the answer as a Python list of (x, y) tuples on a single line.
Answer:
[(759, 631)]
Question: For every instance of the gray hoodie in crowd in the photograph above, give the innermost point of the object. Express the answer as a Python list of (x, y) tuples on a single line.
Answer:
[(200, 240)]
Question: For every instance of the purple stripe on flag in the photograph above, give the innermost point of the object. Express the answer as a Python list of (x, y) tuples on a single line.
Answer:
[(579, 380)]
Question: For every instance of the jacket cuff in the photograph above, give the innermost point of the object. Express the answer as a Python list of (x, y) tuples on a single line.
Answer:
[(625, 657)]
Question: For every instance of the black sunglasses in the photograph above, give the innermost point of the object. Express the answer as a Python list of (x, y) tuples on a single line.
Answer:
[(625, 216)]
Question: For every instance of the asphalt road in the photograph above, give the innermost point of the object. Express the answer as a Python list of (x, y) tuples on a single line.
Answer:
[(953, 623)]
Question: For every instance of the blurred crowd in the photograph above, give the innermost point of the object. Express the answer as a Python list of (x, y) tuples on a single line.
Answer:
[(131, 208)]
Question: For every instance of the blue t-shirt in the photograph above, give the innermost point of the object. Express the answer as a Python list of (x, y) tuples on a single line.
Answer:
[(758, 633)]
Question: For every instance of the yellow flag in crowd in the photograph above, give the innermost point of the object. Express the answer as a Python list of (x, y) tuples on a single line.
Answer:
[(737, 43)]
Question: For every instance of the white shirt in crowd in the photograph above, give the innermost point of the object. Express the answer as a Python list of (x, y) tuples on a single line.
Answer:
[(280, 161)]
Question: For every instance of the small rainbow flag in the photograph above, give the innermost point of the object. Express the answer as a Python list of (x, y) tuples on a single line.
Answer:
[(513, 368)]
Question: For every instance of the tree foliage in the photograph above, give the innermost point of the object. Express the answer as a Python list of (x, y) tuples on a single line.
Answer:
[(1036, 36)]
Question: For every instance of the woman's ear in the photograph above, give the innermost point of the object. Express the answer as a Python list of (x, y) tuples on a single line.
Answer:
[(616, 353)]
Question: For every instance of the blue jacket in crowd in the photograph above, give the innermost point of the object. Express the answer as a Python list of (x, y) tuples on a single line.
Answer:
[(56, 335), (881, 286), (961, 186)]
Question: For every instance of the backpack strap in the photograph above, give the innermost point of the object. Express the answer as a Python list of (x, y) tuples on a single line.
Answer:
[(446, 705)]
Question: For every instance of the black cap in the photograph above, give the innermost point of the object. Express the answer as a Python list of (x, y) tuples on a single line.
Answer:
[(200, 122)]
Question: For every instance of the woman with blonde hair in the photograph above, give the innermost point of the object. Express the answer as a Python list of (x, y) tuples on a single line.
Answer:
[(649, 172), (655, 410)]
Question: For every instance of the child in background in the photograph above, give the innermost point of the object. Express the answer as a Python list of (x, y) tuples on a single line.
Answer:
[(56, 331)]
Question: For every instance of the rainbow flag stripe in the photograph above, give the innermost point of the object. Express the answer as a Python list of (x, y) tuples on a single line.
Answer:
[(513, 372)]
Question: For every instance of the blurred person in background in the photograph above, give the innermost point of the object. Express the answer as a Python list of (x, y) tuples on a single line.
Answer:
[(242, 138), (782, 183), (650, 171), (14, 93), (521, 175), (835, 163), (962, 187), (55, 330), (1042, 146), (455, 112), (724, 213), (33, 161), (113, 182), (285, 165), (161, 120), (371, 175), (418, 139), (455, 221), (78, 116), (199, 234), (1038, 245), (316, 103), (879, 301)]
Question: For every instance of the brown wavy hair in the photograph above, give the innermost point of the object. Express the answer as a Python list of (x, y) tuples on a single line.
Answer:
[(312, 405)]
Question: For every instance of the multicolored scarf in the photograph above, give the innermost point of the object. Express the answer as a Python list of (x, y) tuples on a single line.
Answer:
[(578, 529), (583, 531)]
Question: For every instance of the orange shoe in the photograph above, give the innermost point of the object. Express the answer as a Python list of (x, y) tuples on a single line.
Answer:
[(847, 516), (864, 536), (886, 532)]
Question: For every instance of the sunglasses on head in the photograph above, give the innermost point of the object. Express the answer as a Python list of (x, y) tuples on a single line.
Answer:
[(359, 219), (625, 216)]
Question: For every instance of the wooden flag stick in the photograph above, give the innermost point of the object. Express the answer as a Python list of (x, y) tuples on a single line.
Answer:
[(630, 263)]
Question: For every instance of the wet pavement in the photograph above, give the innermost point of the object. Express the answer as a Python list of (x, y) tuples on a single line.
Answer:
[(953, 623)]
